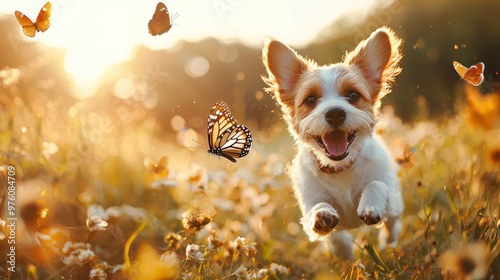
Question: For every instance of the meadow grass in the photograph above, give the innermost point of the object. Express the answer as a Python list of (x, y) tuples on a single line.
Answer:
[(95, 200)]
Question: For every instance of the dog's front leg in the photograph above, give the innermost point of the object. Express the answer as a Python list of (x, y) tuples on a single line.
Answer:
[(319, 217), (319, 221), (373, 202)]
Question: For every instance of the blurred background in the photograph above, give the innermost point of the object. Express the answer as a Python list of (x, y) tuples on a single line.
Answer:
[(96, 113), (102, 52)]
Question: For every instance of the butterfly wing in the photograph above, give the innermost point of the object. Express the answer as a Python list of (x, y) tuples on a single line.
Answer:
[(220, 121), (27, 25), (160, 23), (474, 74), (461, 70), (226, 137), (238, 142), (43, 20)]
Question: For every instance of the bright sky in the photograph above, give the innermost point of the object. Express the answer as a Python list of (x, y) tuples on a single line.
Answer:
[(97, 33)]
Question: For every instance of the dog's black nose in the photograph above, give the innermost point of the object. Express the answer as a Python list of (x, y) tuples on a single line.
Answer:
[(335, 116)]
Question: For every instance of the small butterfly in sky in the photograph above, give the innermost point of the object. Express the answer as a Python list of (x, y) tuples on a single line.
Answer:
[(161, 22), (226, 137), (41, 24), (159, 168), (473, 75)]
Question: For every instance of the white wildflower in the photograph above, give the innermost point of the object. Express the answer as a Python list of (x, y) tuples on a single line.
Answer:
[(278, 269), (76, 253), (239, 245), (261, 273), (96, 223), (113, 212), (193, 252), (97, 274), (95, 210), (242, 273), (135, 213)]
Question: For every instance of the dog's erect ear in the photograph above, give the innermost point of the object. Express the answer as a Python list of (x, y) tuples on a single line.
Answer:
[(284, 67), (378, 58)]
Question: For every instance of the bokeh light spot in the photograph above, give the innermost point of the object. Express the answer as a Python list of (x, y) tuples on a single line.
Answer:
[(177, 123), (187, 137), (240, 76), (293, 228), (150, 102), (197, 67), (259, 95), (227, 54), (124, 89)]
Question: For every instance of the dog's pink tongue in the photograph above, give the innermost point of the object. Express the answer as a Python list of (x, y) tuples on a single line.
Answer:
[(335, 142)]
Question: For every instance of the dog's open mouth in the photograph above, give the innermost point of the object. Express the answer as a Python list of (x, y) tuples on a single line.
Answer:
[(336, 143)]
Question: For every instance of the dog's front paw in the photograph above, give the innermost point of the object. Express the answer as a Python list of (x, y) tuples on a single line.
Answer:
[(320, 221), (369, 215), (325, 221), (373, 203)]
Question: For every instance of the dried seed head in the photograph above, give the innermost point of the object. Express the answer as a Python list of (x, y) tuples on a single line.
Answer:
[(193, 223)]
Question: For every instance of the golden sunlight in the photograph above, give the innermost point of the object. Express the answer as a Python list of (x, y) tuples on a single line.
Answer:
[(137, 146), (98, 42), (97, 34)]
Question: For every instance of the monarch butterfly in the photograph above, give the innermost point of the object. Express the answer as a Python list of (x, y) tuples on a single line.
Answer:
[(473, 75), (41, 24), (226, 137), (160, 23)]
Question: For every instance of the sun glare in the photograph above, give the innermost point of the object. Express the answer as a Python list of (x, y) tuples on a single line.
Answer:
[(96, 43), (98, 34), (84, 73)]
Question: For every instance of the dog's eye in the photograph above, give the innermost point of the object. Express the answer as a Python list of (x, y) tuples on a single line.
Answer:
[(311, 101), (353, 97)]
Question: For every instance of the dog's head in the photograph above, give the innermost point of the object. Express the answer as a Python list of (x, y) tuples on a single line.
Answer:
[(332, 109)]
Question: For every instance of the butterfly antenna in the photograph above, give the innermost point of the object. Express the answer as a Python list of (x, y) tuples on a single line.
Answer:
[(204, 146), (174, 16)]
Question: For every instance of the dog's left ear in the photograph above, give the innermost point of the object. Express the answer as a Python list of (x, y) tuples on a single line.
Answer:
[(378, 59)]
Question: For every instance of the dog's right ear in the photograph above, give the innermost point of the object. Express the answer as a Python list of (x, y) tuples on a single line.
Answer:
[(284, 67)]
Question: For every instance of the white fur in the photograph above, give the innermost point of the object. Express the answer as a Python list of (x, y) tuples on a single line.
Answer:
[(368, 189), (369, 186)]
